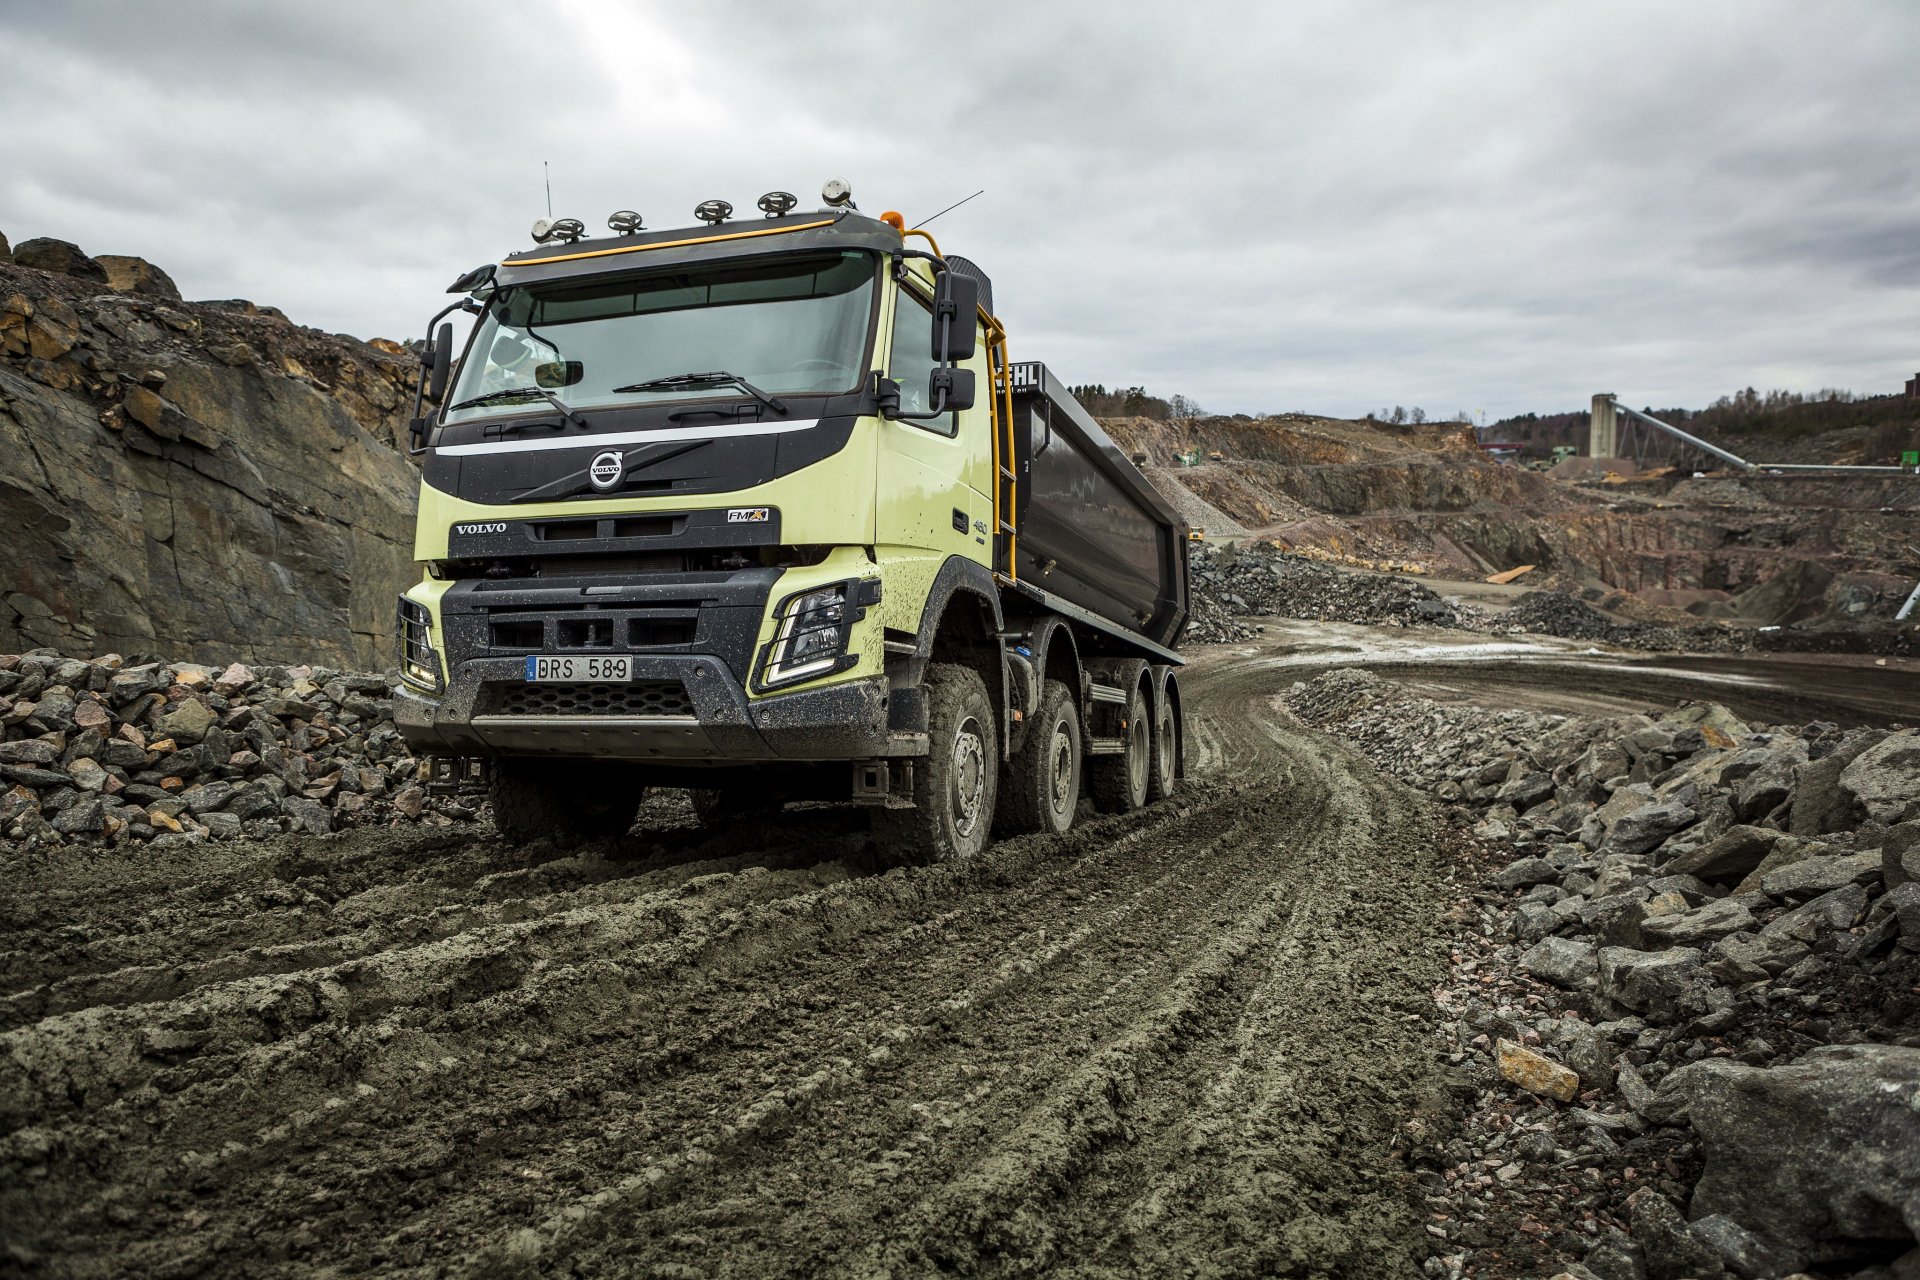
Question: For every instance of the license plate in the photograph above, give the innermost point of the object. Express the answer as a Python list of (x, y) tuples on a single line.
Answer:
[(578, 670)]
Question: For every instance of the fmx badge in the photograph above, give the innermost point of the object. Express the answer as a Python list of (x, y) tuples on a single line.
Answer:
[(607, 469), (747, 515)]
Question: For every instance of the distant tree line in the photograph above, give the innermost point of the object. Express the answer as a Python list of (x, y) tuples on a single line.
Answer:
[(1133, 402), (1400, 414), (1892, 422)]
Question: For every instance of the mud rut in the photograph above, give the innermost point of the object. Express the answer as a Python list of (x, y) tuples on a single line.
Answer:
[(1185, 1042)]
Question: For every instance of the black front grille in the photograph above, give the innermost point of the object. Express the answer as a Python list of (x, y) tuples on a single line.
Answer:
[(641, 698)]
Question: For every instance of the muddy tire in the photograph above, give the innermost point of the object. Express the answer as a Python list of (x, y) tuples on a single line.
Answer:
[(1118, 783), (1040, 786), (1168, 735), (954, 784), (569, 802)]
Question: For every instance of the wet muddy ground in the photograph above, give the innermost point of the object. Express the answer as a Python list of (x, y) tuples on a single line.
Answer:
[(1576, 677), (1195, 1040)]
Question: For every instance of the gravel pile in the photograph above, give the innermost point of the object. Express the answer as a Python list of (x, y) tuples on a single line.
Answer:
[(1686, 1020), (112, 751), (1257, 580)]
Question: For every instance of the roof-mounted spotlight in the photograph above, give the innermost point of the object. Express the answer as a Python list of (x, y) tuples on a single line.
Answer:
[(547, 230), (775, 203), (714, 211), (624, 221), (838, 194)]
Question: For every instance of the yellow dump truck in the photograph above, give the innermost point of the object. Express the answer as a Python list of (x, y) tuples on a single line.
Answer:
[(760, 508)]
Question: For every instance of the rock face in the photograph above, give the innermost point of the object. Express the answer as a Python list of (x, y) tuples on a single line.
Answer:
[(201, 480), (137, 275), (1851, 1116), (60, 257)]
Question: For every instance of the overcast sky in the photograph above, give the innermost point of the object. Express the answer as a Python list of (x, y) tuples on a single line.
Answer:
[(1329, 207)]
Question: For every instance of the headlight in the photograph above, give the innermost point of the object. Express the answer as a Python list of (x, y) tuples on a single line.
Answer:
[(413, 636), (814, 627)]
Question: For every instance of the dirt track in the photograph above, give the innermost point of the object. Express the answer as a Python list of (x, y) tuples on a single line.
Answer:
[(1186, 1042)]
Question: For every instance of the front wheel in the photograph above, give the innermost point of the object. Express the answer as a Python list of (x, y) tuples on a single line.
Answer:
[(954, 785), (570, 802)]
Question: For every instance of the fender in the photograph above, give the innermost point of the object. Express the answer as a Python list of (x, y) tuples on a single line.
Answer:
[(960, 581), (1056, 655)]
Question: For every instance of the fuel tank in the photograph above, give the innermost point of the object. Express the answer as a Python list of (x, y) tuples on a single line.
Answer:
[(1092, 529)]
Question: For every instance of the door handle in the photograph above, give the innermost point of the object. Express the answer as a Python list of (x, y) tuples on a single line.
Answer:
[(959, 520)]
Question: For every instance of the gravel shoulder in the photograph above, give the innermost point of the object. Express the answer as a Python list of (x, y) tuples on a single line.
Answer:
[(1195, 1039)]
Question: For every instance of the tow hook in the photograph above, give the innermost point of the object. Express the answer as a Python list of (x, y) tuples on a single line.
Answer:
[(449, 775), (883, 784)]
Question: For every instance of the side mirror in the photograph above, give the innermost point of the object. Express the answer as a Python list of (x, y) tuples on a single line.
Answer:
[(951, 389), (442, 363), (956, 309)]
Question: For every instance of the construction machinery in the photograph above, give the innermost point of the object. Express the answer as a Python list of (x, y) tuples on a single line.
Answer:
[(762, 509)]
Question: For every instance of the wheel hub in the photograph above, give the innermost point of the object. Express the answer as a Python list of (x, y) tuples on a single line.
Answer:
[(1062, 772), (969, 777)]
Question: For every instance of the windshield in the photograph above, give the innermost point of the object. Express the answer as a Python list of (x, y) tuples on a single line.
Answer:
[(793, 326)]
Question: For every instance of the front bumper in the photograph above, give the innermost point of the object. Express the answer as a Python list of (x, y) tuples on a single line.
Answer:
[(844, 721)]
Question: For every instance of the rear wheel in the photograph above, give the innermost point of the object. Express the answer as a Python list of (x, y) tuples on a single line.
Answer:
[(1119, 782), (1040, 787), (954, 785), (569, 802), (1165, 774)]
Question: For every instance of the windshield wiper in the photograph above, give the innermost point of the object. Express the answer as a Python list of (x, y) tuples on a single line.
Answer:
[(521, 393), (717, 378)]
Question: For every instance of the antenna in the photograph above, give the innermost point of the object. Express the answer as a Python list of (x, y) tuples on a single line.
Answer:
[(950, 208), (548, 175)]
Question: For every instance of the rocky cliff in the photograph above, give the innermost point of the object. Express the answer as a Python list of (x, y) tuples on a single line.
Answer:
[(201, 480)]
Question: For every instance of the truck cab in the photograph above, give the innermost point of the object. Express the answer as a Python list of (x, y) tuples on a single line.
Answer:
[(724, 508)]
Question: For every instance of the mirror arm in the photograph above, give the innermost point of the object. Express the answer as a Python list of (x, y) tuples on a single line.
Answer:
[(417, 427)]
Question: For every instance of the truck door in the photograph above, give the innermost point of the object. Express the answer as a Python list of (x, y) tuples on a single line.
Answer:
[(935, 473)]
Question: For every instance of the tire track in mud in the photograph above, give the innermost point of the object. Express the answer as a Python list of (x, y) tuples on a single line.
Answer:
[(1185, 1040)]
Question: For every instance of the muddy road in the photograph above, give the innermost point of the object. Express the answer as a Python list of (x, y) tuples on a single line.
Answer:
[(1189, 1041)]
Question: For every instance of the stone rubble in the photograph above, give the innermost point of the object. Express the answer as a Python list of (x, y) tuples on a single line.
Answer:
[(1714, 929), (116, 750)]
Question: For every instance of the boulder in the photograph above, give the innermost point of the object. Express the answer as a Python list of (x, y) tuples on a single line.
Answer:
[(1527, 872), (1772, 955), (1741, 1251), (1900, 855), (187, 723), (1906, 911), (137, 275), (1700, 926), (1821, 805), (1651, 982), (1885, 778), (1814, 1157), (1827, 914), (1644, 828), (1733, 854), (61, 257), (1672, 1251), (1811, 877), (1534, 1073), (1564, 962)]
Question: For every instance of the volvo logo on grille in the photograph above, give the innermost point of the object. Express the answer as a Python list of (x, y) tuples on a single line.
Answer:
[(607, 469)]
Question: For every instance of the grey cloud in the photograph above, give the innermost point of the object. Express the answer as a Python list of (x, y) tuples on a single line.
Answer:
[(1325, 206)]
